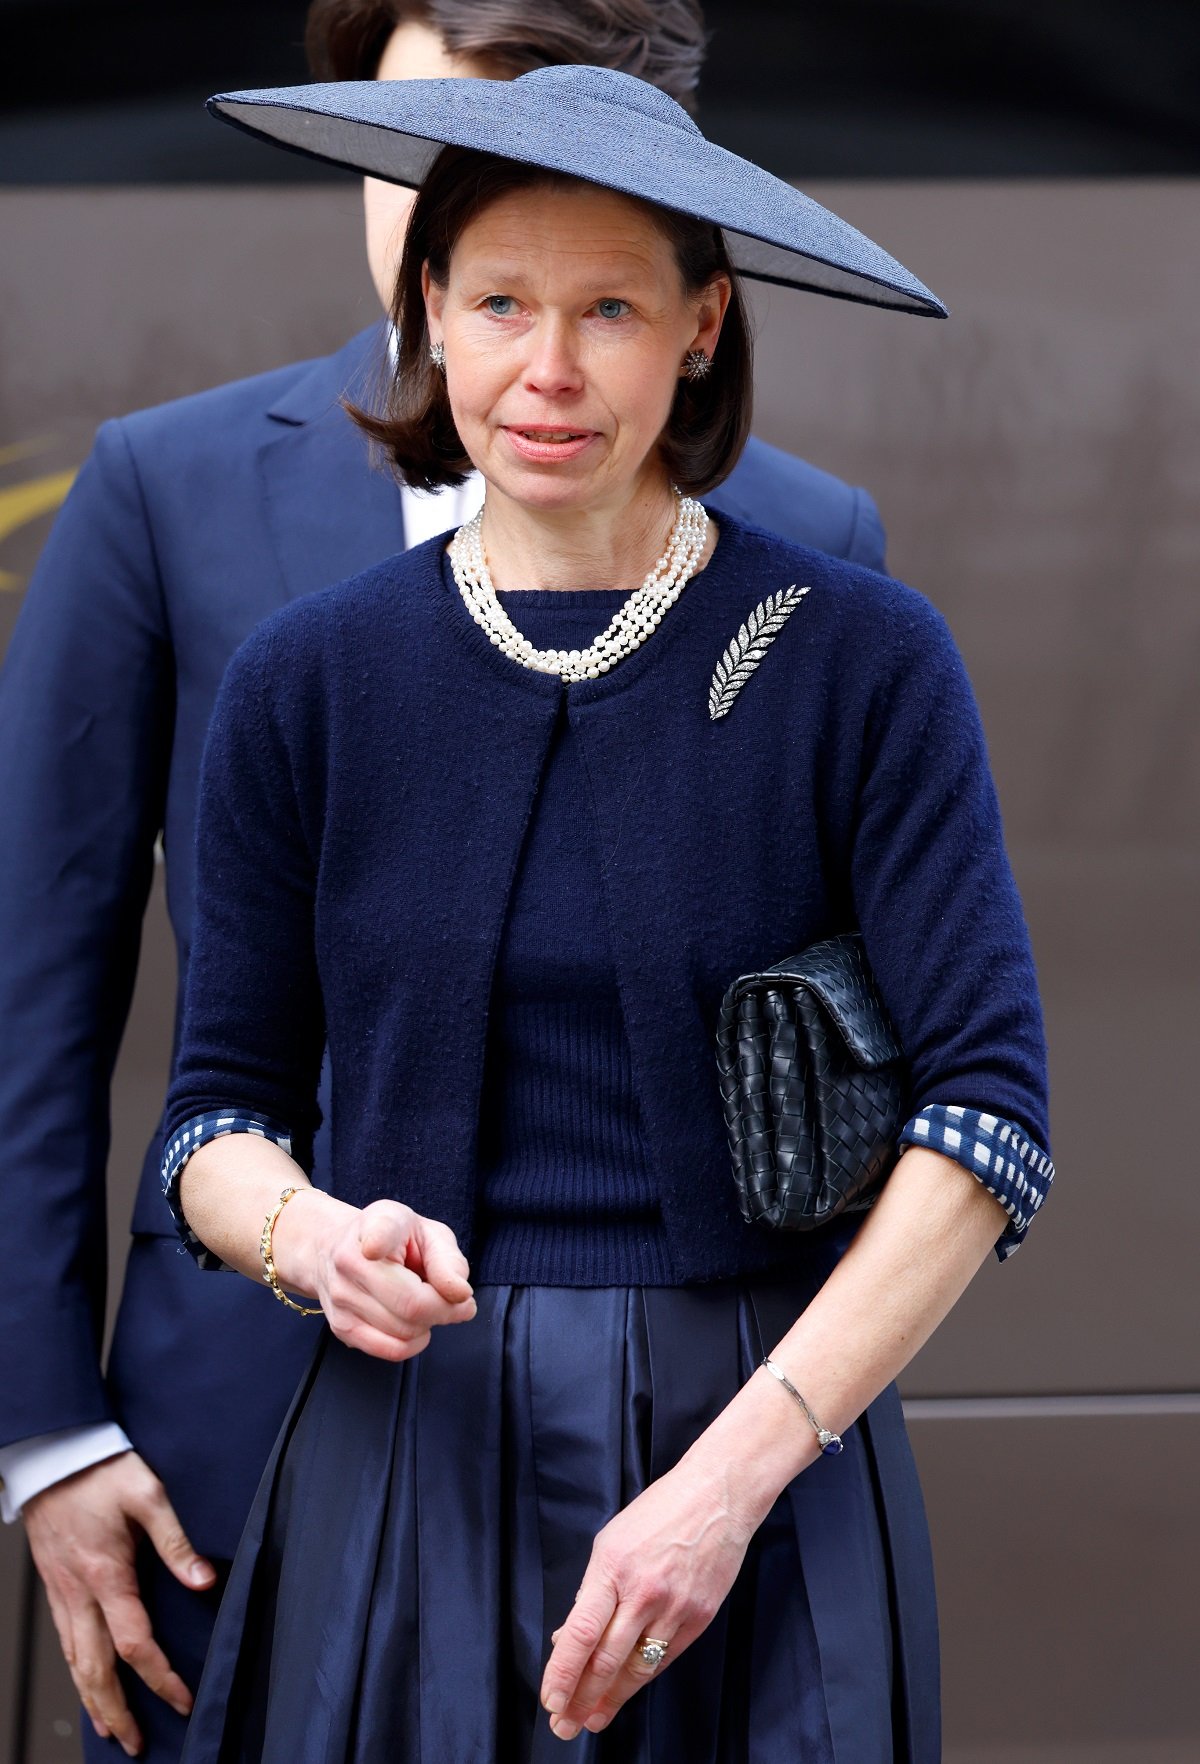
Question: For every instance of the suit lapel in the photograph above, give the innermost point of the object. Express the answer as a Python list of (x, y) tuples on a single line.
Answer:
[(331, 512)]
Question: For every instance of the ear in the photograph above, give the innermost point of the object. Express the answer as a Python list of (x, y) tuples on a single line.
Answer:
[(710, 314), (435, 302)]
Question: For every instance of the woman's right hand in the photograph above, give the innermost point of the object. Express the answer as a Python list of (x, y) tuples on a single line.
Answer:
[(384, 1275)]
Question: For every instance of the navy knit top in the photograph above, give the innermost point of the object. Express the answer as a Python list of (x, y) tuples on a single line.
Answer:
[(567, 1192), (509, 908)]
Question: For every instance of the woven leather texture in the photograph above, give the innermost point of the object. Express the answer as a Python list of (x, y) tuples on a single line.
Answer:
[(813, 1084)]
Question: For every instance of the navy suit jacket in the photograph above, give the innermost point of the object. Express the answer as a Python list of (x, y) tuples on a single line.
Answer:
[(187, 525)]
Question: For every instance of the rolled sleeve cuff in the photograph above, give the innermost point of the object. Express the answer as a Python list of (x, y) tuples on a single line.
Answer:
[(997, 1153), (183, 1145)]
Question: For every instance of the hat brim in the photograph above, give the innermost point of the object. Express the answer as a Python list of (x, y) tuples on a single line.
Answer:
[(395, 129)]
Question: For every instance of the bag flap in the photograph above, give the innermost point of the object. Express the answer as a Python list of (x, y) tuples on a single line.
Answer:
[(837, 974)]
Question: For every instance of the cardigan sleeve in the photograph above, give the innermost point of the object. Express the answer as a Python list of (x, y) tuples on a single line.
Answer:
[(942, 921), (253, 1024)]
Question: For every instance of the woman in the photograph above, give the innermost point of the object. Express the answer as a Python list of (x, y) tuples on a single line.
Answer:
[(504, 872)]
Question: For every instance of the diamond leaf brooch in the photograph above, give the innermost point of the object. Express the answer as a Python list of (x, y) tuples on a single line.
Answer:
[(749, 646)]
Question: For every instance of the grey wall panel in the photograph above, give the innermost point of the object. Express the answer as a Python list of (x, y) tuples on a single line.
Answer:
[(1067, 1551), (12, 1546)]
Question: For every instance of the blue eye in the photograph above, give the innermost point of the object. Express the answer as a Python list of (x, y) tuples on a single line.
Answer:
[(612, 309), (500, 305)]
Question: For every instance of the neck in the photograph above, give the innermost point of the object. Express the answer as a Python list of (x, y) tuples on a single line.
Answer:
[(577, 548)]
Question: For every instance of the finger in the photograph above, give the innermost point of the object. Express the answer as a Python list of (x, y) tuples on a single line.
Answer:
[(60, 1612), (352, 1306), (634, 1675), (129, 1626), (577, 1639), (615, 1662), (94, 1672), (434, 1252), (384, 1230), (161, 1525), (69, 1607), (381, 1346), (408, 1299), (99, 1728)]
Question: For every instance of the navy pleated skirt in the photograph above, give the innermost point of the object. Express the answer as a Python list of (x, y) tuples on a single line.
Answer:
[(421, 1529)]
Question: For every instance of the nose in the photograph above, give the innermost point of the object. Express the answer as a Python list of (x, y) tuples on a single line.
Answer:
[(553, 367)]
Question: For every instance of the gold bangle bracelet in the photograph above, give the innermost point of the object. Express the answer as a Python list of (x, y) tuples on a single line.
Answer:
[(268, 1260)]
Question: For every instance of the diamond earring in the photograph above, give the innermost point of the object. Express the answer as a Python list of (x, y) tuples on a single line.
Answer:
[(696, 365), (437, 355)]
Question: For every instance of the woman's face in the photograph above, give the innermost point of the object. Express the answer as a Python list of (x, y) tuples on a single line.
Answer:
[(565, 324)]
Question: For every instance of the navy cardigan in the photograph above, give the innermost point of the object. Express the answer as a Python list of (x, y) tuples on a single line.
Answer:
[(370, 771)]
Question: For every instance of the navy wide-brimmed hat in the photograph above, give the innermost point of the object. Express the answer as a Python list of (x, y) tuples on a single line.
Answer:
[(591, 123)]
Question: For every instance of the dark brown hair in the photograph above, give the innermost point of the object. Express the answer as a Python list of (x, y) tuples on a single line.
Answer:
[(709, 419), (661, 41)]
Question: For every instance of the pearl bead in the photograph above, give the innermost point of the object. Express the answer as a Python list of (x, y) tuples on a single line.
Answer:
[(634, 621)]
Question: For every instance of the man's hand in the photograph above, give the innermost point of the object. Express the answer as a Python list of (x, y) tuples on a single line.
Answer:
[(83, 1533)]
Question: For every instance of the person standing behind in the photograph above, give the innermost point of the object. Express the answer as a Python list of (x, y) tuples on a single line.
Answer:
[(138, 602)]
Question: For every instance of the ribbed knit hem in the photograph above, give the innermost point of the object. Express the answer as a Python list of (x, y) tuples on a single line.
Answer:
[(525, 1252)]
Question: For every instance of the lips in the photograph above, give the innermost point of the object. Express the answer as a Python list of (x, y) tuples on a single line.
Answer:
[(545, 446)]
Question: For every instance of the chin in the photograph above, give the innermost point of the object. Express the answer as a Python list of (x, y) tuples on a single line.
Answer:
[(549, 492)]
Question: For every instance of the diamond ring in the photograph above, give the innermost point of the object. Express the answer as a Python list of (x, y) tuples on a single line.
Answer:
[(653, 1651)]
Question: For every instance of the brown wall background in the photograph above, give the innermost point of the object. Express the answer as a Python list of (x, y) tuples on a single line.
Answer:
[(1037, 461)]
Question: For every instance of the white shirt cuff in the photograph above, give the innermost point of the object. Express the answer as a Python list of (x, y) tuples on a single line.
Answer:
[(30, 1465)]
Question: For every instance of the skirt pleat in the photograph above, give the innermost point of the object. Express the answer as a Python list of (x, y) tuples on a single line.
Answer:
[(422, 1529)]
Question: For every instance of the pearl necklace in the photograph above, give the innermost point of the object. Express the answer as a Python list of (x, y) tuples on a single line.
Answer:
[(638, 616)]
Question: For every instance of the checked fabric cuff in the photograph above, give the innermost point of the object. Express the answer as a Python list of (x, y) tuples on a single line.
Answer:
[(1009, 1165), (185, 1143)]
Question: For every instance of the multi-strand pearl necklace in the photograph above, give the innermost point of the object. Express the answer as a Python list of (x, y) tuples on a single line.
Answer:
[(637, 617)]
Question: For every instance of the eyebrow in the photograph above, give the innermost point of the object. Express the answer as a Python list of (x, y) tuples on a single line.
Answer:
[(498, 272)]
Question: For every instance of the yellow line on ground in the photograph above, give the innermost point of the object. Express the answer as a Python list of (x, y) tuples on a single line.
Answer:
[(22, 503)]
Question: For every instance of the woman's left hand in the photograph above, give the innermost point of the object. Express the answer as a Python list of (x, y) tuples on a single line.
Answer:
[(662, 1567)]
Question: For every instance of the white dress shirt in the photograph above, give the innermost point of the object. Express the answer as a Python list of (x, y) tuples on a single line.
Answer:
[(427, 512)]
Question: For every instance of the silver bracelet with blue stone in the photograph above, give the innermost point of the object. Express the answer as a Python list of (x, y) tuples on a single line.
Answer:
[(831, 1443)]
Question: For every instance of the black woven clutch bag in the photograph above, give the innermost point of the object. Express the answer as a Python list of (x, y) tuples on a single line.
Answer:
[(813, 1082)]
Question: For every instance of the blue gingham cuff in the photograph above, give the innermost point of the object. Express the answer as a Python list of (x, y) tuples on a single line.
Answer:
[(184, 1143), (1011, 1167)]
